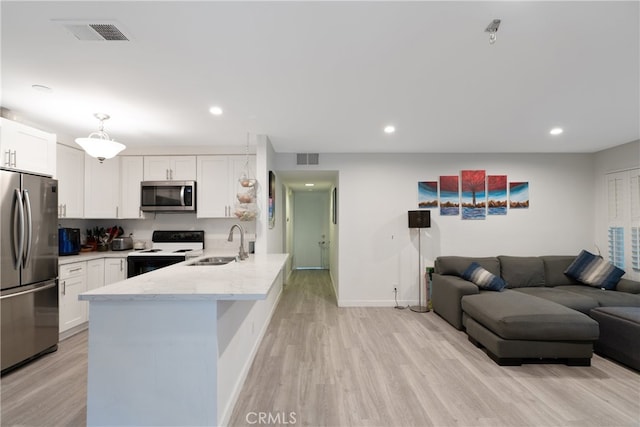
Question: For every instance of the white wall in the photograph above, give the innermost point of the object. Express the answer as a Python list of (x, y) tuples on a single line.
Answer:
[(377, 251), (269, 240)]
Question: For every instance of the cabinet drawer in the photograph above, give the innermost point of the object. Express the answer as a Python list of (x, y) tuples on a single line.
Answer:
[(72, 270)]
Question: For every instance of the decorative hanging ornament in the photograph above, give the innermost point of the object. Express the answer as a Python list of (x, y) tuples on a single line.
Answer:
[(246, 208)]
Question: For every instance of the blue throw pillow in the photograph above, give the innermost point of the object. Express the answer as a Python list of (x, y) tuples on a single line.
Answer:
[(592, 270), (482, 278)]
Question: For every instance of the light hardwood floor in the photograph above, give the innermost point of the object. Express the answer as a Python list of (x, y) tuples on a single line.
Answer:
[(320, 365), (335, 366)]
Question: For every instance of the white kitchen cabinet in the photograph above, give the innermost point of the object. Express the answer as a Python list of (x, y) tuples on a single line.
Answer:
[(102, 188), (169, 168), (131, 168), (95, 273), (26, 148), (70, 175), (217, 182), (72, 282), (115, 270)]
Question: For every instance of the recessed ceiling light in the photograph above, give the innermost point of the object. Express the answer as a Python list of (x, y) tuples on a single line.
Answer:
[(216, 111), (389, 129), (309, 185), (556, 131), (42, 88)]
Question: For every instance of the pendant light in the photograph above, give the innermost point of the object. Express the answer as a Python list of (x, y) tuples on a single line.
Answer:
[(246, 208), (98, 144)]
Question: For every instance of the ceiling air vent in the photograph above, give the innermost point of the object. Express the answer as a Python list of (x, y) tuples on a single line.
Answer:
[(307, 158), (94, 31)]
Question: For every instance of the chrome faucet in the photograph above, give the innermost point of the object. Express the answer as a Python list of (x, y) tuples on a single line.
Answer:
[(242, 254)]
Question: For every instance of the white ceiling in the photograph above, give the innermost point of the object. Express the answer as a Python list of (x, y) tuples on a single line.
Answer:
[(328, 76)]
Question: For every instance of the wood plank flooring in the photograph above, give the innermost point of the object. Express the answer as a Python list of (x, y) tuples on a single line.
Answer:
[(50, 391), (320, 365), (333, 366)]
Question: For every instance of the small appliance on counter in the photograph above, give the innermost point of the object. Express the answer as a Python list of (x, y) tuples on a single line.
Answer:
[(68, 241), (122, 243)]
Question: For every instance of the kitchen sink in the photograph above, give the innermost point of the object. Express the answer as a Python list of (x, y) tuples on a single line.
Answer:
[(216, 260)]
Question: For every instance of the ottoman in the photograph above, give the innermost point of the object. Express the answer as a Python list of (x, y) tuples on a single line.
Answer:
[(619, 334), (516, 328)]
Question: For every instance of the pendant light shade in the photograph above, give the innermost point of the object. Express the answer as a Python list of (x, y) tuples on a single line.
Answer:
[(98, 144)]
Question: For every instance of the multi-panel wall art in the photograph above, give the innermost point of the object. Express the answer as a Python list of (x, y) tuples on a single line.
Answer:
[(477, 193)]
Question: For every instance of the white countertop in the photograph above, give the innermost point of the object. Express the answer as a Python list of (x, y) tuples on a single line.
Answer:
[(88, 256), (249, 279)]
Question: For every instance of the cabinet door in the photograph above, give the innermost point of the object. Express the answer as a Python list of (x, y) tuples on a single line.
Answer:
[(28, 149), (156, 168), (102, 188), (70, 182), (169, 168), (183, 168), (115, 270), (95, 274), (131, 176), (73, 282), (213, 187)]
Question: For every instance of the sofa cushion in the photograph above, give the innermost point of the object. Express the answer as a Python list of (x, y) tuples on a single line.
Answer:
[(521, 272), (592, 270), (516, 315), (482, 278), (554, 268), (456, 265), (573, 300), (605, 298)]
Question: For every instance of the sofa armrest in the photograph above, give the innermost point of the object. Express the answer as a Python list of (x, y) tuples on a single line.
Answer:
[(628, 285), (446, 296)]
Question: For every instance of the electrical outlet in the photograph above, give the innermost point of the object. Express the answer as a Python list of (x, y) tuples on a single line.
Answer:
[(395, 289)]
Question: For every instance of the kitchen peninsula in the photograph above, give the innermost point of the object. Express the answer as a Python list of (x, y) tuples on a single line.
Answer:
[(173, 346)]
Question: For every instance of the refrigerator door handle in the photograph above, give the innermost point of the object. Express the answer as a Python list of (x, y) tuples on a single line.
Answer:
[(27, 200), (30, 291), (18, 225)]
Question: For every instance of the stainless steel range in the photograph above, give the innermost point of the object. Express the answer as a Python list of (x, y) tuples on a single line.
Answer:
[(169, 247)]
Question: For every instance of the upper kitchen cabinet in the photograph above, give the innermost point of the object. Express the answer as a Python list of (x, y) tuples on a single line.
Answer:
[(70, 182), (26, 148), (102, 188), (169, 168), (131, 168), (218, 184)]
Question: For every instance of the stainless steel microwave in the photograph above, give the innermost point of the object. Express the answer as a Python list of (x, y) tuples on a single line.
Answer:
[(168, 196)]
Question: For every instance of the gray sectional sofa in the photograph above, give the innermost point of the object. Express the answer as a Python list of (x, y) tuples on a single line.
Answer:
[(541, 315)]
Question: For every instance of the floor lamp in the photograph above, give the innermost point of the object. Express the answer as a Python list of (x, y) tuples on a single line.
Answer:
[(420, 219)]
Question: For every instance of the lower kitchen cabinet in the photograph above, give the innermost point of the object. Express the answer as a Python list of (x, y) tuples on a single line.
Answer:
[(72, 282), (80, 277), (115, 270)]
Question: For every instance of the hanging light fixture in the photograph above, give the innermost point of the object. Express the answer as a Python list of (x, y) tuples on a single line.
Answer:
[(246, 208), (98, 144)]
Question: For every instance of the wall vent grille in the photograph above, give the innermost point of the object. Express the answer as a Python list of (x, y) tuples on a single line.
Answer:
[(307, 158), (94, 31)]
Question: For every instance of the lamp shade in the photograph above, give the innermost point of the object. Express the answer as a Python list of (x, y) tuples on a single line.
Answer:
[(100, 148), (419, 219)]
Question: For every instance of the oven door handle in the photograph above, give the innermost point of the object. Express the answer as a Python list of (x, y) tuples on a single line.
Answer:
[(182, 195)]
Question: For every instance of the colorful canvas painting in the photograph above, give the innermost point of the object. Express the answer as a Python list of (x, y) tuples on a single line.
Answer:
[(427, 194), (518, 195), (449, 195), (496, 195), (474, 205)]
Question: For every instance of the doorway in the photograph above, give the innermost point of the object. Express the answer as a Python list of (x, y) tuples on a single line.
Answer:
[(311, 230)]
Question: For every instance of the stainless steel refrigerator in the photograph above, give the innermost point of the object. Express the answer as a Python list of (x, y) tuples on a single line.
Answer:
[(28, 266)]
